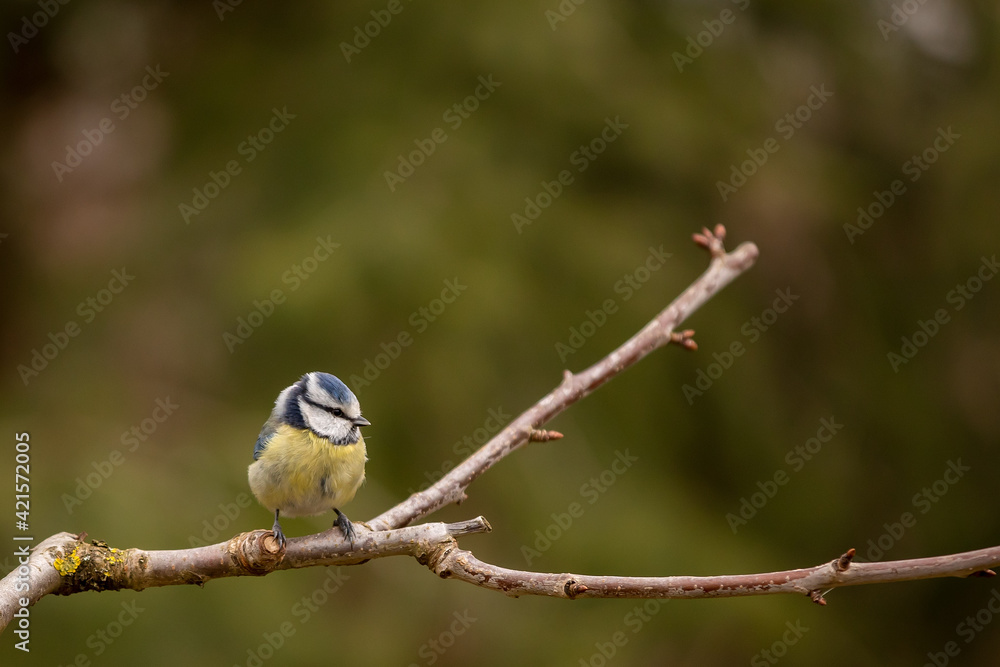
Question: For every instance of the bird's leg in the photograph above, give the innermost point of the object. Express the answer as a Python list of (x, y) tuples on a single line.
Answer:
[(276, 529), (345, 526)]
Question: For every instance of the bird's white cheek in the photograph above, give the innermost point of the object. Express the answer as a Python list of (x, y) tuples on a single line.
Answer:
[(321, 422)]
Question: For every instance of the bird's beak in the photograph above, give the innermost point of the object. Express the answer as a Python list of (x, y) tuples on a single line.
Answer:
[(361, 421)]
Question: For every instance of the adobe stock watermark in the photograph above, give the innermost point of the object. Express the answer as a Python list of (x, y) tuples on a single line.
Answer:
[(293, 277), (453, 116), (581, 158), (899, 16), (310, 604), (923, 500), (223, 7), (432, 650), (635, 620), (216, 527), (779, 648), (496, 419), (130, 440), (302, 610), (102, 639), (957, 297), (967, 630), (88, 310), (420, 320), (19, 609), (626, 286), (590, 491), (121, 108), (30, 25), (786, 127), (20, 620), (752, 329), (696, 44), (914, 168), (364, 34), (796, 459), (562, 12), (248, 150)]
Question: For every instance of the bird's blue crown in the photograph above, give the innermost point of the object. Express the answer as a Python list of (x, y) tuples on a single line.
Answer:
[(332, 385)]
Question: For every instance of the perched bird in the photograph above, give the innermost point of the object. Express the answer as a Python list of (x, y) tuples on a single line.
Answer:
[(310, 455)]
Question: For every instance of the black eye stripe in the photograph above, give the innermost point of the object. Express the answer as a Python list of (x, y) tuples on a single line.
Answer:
[(336, 412)]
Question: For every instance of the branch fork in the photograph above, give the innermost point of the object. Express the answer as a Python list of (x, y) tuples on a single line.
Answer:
[(64, 563)]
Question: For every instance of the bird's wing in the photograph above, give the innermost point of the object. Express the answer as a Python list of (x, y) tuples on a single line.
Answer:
[(266, 433)]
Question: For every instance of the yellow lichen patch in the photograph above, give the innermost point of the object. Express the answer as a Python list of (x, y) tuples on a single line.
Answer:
[(67, 566)]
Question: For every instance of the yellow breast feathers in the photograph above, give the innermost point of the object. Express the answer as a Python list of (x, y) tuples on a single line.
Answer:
[(302, 474)]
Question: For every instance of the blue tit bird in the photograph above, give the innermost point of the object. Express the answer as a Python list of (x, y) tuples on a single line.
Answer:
[(310, 455)]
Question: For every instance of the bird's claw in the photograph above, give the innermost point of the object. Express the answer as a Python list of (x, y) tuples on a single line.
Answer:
[(279, 536), (346, 527)]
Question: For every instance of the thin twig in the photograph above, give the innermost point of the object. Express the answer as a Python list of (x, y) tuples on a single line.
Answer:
[(462, 565), (723, 269)]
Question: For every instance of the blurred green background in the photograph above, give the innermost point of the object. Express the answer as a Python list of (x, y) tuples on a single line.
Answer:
[(332, 110)]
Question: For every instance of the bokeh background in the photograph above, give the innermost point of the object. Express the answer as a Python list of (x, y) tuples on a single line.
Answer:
[(894, 78)]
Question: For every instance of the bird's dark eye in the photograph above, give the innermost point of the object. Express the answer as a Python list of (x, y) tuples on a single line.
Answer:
[(337, 412)]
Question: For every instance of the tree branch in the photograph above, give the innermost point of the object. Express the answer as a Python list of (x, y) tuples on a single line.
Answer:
[(65, 563), (723, 269), (462, 565)]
